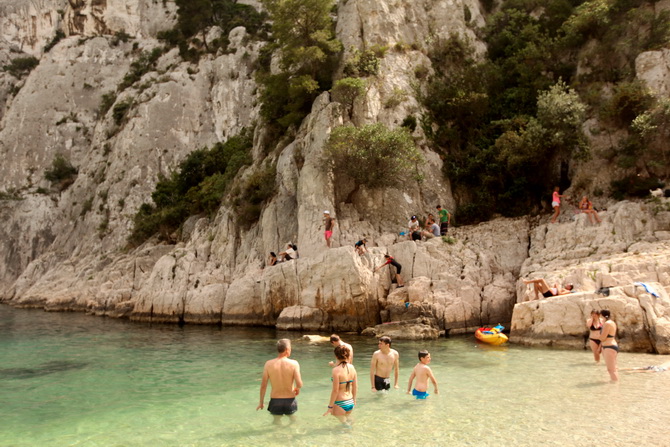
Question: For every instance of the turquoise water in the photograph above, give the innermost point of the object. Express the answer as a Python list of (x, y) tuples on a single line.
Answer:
[(76, 380)]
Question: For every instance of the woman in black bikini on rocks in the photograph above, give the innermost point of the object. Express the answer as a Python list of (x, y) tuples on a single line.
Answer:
[(540, 286), (609, 345), (595, 325)]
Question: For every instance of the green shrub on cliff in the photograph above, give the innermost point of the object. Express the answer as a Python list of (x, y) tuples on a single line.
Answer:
[(372, 155), (196, 187), (196, 17), (61, 174), (255, 191), (21, 66), (303, 33), (347, 90)]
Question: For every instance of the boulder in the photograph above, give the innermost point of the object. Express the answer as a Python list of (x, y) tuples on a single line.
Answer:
[(302, 318), (416, 329), (642, 320)]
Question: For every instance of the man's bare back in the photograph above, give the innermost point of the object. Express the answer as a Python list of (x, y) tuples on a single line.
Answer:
[(282, 373)]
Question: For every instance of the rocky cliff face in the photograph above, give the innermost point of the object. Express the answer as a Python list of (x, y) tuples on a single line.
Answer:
[(629, 247), (65, 250)]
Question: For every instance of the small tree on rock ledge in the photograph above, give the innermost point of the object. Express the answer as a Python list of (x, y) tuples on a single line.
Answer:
[(372, 155)]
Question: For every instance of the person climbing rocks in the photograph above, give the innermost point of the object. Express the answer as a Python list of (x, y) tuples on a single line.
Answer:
[(398, 267)]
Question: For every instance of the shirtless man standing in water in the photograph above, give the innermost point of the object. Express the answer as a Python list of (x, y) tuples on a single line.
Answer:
[(383, 362), (282, 372), (336, 341)]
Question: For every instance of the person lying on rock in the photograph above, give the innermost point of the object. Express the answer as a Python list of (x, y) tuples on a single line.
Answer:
[(541, 287)]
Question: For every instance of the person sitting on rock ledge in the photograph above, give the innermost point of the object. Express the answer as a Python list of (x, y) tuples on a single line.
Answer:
[(272, 259), (586, 207), (432, 229), (413, 228), (289, 253), (541, 287)]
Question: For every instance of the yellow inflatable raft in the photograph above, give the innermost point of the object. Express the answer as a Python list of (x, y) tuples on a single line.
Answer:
[(491, 335)]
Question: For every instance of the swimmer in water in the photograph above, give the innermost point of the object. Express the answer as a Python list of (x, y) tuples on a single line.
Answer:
[(336, 341), (595, 324), (282, 373), (423, 373), (609, 344), (345, 387), (651, 368), (383, 362)]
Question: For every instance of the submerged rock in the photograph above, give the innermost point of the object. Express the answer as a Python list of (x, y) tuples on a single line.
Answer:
[(416, 329)]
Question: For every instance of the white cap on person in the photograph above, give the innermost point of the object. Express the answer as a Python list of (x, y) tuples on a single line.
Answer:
[(326, 212)]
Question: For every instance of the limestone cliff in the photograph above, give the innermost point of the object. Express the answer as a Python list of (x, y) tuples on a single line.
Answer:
[(66, 249)]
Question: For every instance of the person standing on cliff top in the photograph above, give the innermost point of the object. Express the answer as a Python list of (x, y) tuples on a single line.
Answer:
[(329, 223), (336, 341), (445, 219), (556, 204), (383, 362), (282, 373)]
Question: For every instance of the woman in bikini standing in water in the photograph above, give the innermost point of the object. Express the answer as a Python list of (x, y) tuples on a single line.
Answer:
[(345, 387), (595, 325), (609, 344)]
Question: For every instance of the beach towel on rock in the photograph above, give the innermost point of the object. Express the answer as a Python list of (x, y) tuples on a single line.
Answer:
[(650, 290)]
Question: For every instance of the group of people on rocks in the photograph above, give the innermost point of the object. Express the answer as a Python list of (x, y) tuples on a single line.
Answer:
[(431, 228), (585, 207), (283, 374)]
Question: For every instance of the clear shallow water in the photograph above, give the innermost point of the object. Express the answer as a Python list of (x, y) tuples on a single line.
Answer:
[(76, 380)]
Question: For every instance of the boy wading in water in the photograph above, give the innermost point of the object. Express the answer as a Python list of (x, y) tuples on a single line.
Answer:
[(422, 372), (282, 372), (383, 362)]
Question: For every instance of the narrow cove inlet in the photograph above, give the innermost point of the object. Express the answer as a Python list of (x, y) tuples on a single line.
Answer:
[(71, 379)]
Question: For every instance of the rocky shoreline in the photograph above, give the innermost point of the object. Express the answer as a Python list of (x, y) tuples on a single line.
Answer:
[(452, 287)]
